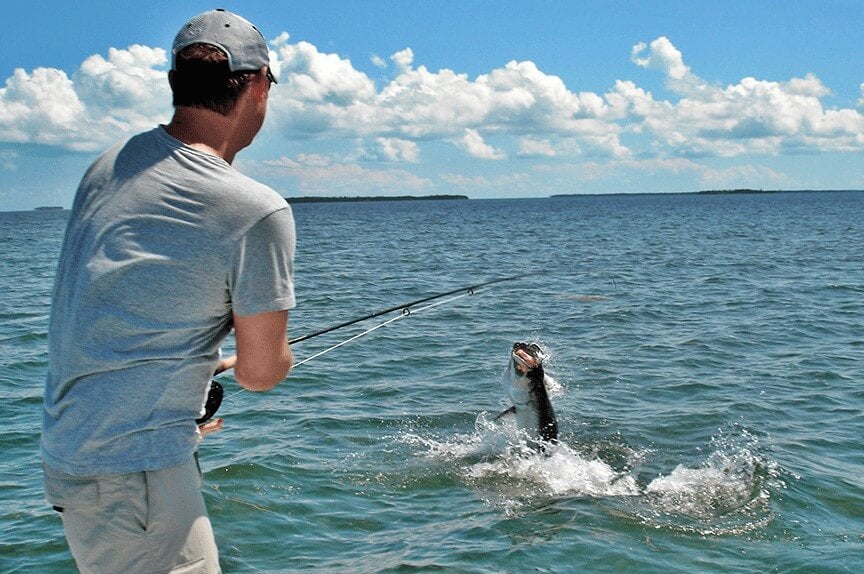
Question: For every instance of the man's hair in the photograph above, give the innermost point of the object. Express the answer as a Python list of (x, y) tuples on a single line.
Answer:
[(202, 79)]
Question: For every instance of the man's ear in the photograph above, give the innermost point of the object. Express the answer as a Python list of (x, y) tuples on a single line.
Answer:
[(261, 84), (171, 79)]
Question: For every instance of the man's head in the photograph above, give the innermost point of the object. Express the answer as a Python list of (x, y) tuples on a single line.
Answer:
[(214, 57)]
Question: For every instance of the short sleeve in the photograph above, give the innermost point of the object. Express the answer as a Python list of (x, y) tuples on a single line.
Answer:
[(262, 275)]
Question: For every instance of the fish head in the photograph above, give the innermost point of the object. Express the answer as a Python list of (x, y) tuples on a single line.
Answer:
[(525, 357), (525, 384)]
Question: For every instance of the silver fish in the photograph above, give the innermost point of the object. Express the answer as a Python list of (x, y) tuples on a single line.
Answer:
[(526, 387)]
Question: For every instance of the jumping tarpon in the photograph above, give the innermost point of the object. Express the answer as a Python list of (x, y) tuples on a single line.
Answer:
[(525, 384)]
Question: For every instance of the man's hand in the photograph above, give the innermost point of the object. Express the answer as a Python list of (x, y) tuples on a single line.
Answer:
[(226, 364)]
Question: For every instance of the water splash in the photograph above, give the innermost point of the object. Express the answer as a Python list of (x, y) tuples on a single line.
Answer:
[(498, 455), (727, 493)]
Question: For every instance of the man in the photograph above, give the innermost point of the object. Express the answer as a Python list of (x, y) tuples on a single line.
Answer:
[(167, 248)]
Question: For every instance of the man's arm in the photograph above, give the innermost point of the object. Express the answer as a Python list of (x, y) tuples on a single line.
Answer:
[(263, 355)]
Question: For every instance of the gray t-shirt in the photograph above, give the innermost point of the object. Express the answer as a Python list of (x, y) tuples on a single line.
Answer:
[(164, 244)]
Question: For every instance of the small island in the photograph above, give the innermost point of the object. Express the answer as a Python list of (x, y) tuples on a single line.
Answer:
[(748, 190), (372, 198), (737, 191)]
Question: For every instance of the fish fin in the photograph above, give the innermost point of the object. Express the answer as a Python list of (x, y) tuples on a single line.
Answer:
[(506, 412)]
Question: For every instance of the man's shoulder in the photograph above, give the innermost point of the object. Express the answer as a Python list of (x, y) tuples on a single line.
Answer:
[(244, 192), (129, 150)]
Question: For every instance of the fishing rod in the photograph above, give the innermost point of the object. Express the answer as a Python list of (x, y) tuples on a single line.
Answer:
[(214, 397), (405, 307)]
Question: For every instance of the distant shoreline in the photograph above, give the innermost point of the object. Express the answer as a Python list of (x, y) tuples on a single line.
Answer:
[(357, 198), (360, 199), (742, 191), (745, 190)]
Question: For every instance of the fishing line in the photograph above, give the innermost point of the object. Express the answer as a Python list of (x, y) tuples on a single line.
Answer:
[(406, 310), (404, 314), (469, 290)]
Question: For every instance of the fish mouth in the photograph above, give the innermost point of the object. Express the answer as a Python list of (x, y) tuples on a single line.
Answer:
[(531, 349)]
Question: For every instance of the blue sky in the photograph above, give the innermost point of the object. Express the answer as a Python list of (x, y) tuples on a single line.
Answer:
[(486, 99)]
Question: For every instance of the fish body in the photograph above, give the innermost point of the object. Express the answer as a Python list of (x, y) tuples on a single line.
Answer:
[(526, 387)]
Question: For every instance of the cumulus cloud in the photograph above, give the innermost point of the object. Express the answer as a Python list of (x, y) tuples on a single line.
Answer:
[(103, 99), (533, 147), (40, 107), (403, 59), (316, 77), (752, 116), (322, 95), (472, 142), (663, 56), (395, 149)]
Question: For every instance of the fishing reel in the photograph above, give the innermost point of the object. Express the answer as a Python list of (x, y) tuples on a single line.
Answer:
[(214, 400)]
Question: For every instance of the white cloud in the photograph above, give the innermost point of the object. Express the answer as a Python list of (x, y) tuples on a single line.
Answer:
[(662, 56), (472, 142), (324, 96), (41, 107), (532, 147), (322, 175), (103, 100), (752, 116), (378, 61), (128, 92), (395, 149), (312, 76), (403, 59), (692, 174), (418, 103), (510, 185)]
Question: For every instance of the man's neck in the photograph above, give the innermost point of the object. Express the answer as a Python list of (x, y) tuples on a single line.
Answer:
[(203, 130)]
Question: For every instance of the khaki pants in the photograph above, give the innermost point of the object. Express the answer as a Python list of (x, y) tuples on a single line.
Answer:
[(152, 521)]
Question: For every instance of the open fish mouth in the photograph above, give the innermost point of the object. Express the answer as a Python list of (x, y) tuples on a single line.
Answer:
[(532, 349)]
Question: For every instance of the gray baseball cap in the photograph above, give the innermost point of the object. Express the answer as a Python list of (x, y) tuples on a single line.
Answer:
[(237, 37)]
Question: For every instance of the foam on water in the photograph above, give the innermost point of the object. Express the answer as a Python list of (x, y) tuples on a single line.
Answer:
[(727, 493)]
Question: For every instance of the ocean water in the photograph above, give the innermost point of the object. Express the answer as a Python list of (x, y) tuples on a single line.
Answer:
[(708, 357)]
